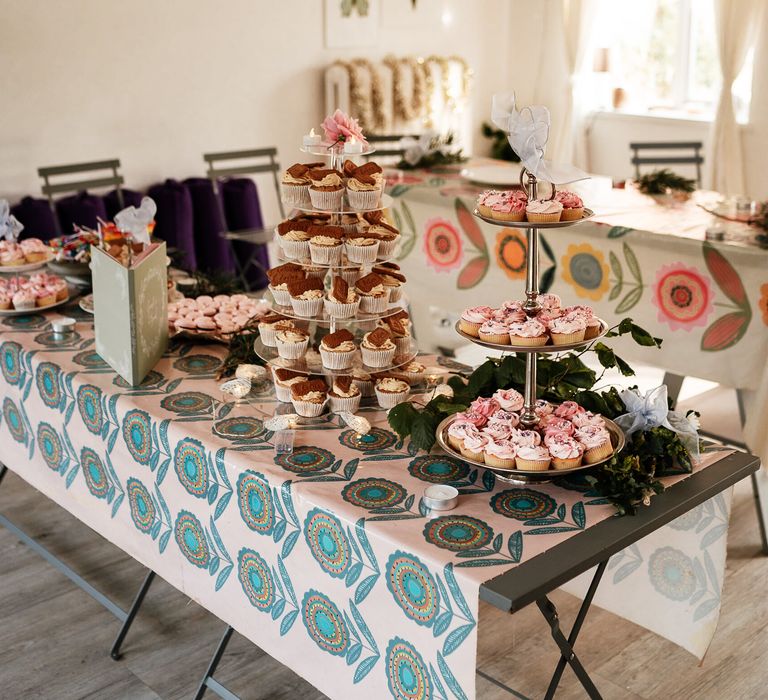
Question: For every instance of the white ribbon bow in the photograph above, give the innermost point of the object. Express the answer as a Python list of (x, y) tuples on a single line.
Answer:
[(528, 132), (136, 221), (10, 226), (415, 149), (651, 411)]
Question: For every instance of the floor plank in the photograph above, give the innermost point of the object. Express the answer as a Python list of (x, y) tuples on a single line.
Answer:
[(54, 639)]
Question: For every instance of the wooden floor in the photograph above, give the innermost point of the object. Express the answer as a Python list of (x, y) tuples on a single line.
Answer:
[(54, 638)]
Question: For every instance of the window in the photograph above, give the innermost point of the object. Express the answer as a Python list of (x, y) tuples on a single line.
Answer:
[(663, 53)]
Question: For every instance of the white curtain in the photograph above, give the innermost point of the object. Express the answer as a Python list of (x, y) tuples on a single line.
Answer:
[(736, 22), (573, 20)]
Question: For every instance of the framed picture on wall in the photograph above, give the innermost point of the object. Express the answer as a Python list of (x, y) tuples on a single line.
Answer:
[(351, 23)]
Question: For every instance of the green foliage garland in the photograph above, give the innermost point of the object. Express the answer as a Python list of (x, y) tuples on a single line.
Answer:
[(659, 181)]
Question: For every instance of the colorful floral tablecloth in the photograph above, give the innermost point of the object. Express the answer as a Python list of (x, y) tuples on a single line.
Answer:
[(324, 557), (708, 300)]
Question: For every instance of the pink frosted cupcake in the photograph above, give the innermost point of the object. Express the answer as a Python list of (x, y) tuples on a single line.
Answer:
[(567, 330), (544, 211), (573, 207), (474, 317), (484, 407), (473, 447), (503, 206), (501, 454), (585, 418), (566, 452), (533, 459), (529, 333), (509, 399), (596, 442), (458, 430), (558, 425), (526, 438), (494, 332)]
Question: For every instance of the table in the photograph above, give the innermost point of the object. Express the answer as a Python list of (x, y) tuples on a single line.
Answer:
[(707, 299), (325, 558)]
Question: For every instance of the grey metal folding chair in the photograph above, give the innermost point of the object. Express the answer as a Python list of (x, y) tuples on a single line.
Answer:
[(49, 188), (220, 166), (693, 157)]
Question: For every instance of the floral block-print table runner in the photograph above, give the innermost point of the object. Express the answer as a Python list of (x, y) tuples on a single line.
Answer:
[(708, 300), (324, 557)]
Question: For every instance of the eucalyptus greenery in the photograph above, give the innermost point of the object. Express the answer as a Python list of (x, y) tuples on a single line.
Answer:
[(627, 478), (659, 181), (439, 151), (241, 350)]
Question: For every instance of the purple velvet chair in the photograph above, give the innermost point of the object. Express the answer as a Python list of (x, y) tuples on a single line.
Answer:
[(240, 208), (243, 213), (130, 198), (213, 252), (81, 209), (174, 221), (38, 219)]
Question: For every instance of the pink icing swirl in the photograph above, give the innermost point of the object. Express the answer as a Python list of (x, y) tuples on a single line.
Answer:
[(568, 324), (494, 328), (533, 453), (526, 437), (509, 399), (582, 420), (559, 425), (503, 416), (503, 449), (549, 301), (528, 329), (592, 436), (484, 407), (475, 443), (566, 449), (543, 408), (569, 200), (460, 430), (477, 314), (476, 419), (498, 430), (568, 409)]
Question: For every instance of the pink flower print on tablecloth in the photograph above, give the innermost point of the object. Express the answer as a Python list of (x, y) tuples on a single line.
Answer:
[(683, 297)]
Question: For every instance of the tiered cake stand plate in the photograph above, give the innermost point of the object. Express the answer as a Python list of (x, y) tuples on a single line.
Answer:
[(588, 214)]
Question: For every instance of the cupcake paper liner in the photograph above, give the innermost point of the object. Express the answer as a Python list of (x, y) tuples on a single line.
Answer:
[(267, 336), (377, 358), (335, 309), (402, 345), (475, 456), (337, 360), (306, 307), (365, 386), (493, 461), (363, 254), (572, 214), (350, 275), (294, 195), (295, 250), (507, 215), (368, 199), (281, 296), (595, 454), (327, 200), (532, 465), (566, 463), (543, 218), (566, 338), (308, 409), (291, 351), (531, 342), (390, 399), (498, 338), (470, 328), (282, 393), (387, 248), (373, 305), (324, 254), (340, 404)]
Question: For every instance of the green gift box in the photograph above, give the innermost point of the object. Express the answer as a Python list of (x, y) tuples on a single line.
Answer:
[(130, 308)]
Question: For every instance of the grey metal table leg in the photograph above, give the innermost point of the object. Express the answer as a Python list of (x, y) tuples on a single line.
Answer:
[(126, 617), (114, 652), (580, 617), (208, 681)]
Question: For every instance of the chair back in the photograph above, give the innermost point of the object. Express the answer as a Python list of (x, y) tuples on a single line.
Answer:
[(388, 146), (96, 178), (692, 157), (220, 166)]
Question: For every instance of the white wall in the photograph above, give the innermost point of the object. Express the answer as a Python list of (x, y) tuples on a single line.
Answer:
[(158, 82)]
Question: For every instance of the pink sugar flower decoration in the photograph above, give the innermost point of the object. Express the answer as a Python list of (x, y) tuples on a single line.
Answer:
[(340, 127)]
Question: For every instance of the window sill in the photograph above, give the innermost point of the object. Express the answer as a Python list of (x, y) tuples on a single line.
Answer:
[(654, 116)]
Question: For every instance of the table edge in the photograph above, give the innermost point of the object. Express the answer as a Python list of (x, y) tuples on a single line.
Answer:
[(540, 575)]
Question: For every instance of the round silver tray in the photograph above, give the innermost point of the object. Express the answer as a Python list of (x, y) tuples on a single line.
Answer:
[(588, 214), (549, 348), (327, 150), (325, 319), (313, 365), (384, 203), (529, 477)]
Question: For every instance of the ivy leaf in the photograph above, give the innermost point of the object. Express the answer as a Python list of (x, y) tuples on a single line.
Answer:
[(423, 430), (625, 369), (401, 418), (605, 356), (643, 337)]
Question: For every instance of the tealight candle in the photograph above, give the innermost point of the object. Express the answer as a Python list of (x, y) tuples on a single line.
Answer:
[(312, 139), (63, 325), (353, 146), (441, 497)]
